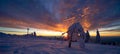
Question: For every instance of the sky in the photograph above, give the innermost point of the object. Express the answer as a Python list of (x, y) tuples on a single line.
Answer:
[(53, 17)]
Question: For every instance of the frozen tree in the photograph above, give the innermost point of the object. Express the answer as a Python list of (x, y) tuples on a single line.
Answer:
[(98, 37), (73, 31), (34, 33), (87, 37)]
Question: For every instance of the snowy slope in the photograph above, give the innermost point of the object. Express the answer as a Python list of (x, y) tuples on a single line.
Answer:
[(41, 46)]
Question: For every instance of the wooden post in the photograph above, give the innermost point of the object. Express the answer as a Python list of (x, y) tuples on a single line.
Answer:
[(27, 31)]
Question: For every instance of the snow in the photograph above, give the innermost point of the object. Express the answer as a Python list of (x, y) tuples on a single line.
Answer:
[(44, 46)]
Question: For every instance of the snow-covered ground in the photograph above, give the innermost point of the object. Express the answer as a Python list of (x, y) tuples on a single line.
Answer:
[(42, 46)]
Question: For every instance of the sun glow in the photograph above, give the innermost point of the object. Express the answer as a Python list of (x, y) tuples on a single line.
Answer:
[(65, 36), (48, 33)]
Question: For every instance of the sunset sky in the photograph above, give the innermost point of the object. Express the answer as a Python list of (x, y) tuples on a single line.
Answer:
[(53, 17)]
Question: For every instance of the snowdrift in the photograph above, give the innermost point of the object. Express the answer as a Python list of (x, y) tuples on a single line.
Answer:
[(42, 46)]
